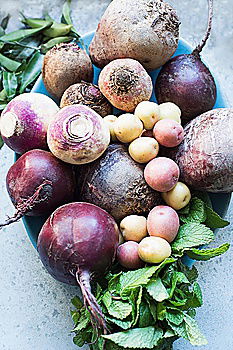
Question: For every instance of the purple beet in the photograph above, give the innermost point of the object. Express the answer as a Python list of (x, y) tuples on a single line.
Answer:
[(38, 183), (187, 82), (77, 243), (24, 121)]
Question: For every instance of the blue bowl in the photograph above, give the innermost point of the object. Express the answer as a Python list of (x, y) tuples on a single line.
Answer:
[(220, 201)]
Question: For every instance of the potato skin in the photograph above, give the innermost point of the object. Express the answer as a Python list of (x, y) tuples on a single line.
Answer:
[(116, 183), (147, 31), (65, 64), (205, 157)]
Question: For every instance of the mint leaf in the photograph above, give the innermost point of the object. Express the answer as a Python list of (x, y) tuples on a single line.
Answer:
[(78, 340), (76, 301), (161, 311), (177, 277), (207, 254), (204, 196), (213, 220), (193, 332), (192, 235), (157, 290), (116, 308), (174, 316), (179, 330), (145, 317), (75, 316), (120, 323), (190, 273), (136, 298), (137, 338), (194, 298), (196, 212)]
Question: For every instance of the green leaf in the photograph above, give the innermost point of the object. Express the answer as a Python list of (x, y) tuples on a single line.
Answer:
[(137, 338), (161, 311), (82, 323), (213, 220), (10, 84), (177, 277), (116, 308), (193, 332), (157, 290), (145, 317), (114, 282), (135, 299), (196, 212), (52, 42), (4, 22), (2, 31), (204, 196), (75, 316), (2, 106), (179, 330), (184, 210), (120, 323), (36, 22), (3, 96), (76, 301), (8, 63), (57, 29), (192, 235), (1, 142), (66, 18), (31, 71), (133, 279), (22, 33), (174, 316), (190, 273), (78, 340), (207, 254)]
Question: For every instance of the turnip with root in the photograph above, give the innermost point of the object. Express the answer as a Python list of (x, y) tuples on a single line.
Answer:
[(78, 135), (205, 157), (64, 65), (78, 243), (37, 184), (125, 83), (24, 122), (147, 31), (186, 81)]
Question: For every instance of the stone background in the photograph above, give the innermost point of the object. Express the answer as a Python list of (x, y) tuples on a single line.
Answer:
[(34, 308)]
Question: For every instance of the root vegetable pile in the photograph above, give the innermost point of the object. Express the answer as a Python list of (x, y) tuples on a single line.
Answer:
[(136, 168)]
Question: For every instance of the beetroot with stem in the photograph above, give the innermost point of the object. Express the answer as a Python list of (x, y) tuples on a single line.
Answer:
[(38, 183), (78, 242), (186, 81)]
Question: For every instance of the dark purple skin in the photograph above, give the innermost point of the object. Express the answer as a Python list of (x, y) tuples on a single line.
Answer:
[(205, 157), (116, 183), (32, 121), (187, 82), (127, 255), (79, 242), (39, 169)]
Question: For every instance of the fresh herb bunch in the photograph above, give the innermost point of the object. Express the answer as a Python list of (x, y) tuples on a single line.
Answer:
[(21, 51), (150, 308)]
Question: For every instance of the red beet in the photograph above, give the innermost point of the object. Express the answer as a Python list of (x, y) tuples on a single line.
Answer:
[(78, 242), (38, 183), (187, 82)]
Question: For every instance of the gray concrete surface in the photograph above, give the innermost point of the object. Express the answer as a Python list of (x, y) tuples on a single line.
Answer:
[(34, 309)]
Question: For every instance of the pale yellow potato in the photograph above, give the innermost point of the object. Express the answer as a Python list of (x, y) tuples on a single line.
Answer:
[(154, 250), (133, 228), (169, 110), (178, 197), (144, 149), (127, 127), (148, 112), (110, 120)]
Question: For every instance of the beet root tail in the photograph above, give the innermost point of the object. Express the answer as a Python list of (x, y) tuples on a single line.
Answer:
[(27, 204), (90, 302)]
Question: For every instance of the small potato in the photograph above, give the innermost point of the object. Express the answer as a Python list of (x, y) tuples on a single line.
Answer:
[(110, 120), (169, 110), (133, 228), (178, 197), (148, 112), (154, 250), (127, 127), (162, 174), (144, 149), (163, 221), (168, 133), (128, 257), (147, 133)]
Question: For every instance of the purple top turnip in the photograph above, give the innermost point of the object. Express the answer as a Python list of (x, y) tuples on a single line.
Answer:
[(24, 121), (78, 135), (186, 81), (78, 242), (38, 183)]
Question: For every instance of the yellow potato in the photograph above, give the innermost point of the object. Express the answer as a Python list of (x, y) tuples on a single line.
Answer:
[(133, 228), (154, 250), (144, 149), (127, 127), (110, 120), (178, 197), (148, 112), (169, 110)]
